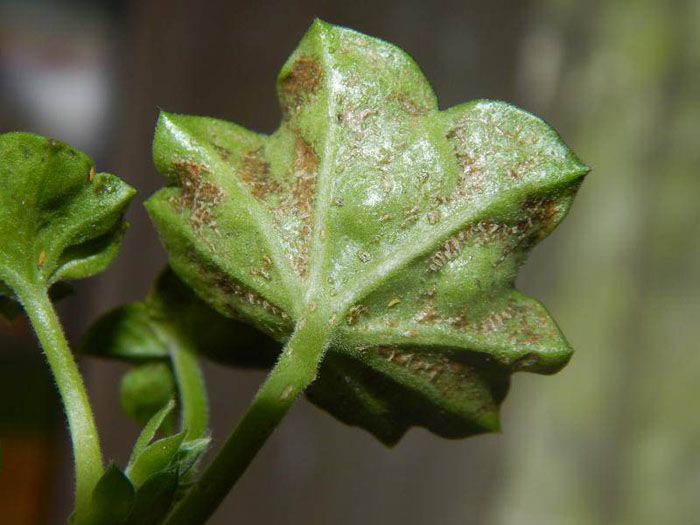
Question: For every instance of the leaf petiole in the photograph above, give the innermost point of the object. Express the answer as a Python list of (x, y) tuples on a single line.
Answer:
[(81, 422), (193, 394), (295, 370)]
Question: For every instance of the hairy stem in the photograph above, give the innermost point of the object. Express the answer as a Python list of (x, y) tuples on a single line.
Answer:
[(81, 422), (193, 395), (295, 370)]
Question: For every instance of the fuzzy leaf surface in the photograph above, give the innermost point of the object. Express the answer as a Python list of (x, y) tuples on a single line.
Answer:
[(402, 224), (144, 332), (59, 220), (112, 498)]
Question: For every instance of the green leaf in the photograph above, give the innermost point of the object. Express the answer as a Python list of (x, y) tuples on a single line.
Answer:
[(402, 225), (172, 315), (112, 498), (154, 498), (154, 458), (190, 452), (145, 389), (168, 326), (59, 220), (149, 431), (124, 333)]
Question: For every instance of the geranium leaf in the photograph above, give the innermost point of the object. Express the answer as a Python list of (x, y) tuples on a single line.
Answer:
[(170, 316), (150, 430), (154, 458), (124, 333), (112, 498), (154, 498), (190, 453), (401, 225), (59, 220)]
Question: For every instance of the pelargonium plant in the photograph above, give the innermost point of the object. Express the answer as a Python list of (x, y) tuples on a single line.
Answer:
[(364, 253)]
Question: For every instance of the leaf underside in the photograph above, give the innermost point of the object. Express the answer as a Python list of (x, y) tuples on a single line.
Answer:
[(404, 224)]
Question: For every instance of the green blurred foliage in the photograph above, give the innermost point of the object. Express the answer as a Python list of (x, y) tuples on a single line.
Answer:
[(614, 437)]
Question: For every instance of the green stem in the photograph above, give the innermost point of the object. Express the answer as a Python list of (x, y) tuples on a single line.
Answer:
[(84, 437), (193, 394), (294, 371)]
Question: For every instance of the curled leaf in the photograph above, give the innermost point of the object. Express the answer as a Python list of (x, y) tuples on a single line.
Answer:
[(402, 225), (59, 220)]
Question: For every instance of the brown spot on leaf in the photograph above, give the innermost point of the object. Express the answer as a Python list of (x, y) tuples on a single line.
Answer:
[(305, 158), (302, 81), (245, 294), (539, 215), (427, 315), (407, 104), (446, 374), (255, 171), (197, 194), (223, 152), (301, 200), (355, 312)]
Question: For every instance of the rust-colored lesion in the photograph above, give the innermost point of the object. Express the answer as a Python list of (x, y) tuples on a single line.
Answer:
[(444, 373), (304, 187), (255, 172), (249, 296), (197, 194), (224, 153), (290, 198), (230, 289), (302, 81), (517, 322), (407, 104), (355, 312), (539, 216), (305, 158), (545, 213), (300, 200), (465, 158)]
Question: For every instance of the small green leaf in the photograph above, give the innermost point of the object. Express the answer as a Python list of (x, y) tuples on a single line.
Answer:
[(145, 389), (173, 314), (154, 458), (59, 220), (401, 227), (124, 333), (166, 326), (190, 452), (154, 498), (112, 498), (151, 429)]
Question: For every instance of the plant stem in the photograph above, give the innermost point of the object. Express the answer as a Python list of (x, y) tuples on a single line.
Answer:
[(81, 422), (193, 395), (294, 371)]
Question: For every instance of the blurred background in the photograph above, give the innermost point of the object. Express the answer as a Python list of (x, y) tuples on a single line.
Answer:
[(614, 438)]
